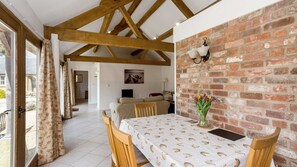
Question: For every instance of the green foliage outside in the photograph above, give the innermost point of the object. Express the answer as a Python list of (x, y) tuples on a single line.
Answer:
[(2, 94)]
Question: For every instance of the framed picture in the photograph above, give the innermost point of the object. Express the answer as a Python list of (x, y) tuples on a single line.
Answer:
[(134, 76), (79, 78)]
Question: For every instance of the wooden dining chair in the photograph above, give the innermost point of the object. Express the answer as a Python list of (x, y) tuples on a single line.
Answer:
[(145, 109), (107, 122), (124, 150), (262, 150)]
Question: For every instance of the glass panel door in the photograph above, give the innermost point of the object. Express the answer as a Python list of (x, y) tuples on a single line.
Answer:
[(32, 54), (7, 94)]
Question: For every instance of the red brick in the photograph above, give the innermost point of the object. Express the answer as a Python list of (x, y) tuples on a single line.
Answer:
[(258, 72), (277, 52), (254, 47), (251, 79), (280, 80), (294, 127), (294, 71), (279, 23), (261, 104), (255, 56), (233, 36), (206, 32), (293, 107), (234, 129), (258, 96), (279, 88), (252, 64), (292, 50), (252, 31), (216, 74), (220, 93), (279, 13), (252, 111), (233, 121), (255, 119), (279, 33), (234, 43), (281, 62), (216, 111), (294, 89), (235, 87), (219, 67), (216, 86), (233, 67), (278, 159), (220, 80), (279, 107), (281, 124), (220, 118), (280, 71), (219, 105), (293, 146), (235, 73), (250, 125), (275, 114), (285, 98), (232, 51)]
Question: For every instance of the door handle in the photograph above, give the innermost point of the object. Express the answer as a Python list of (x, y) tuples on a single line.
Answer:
[(21, 110)]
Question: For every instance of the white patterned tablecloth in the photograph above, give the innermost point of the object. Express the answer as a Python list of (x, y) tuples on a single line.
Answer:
[(171, 141)]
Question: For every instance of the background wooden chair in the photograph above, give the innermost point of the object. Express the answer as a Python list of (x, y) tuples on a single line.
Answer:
[(145, 109), (124, 149), (107, 122), (262, 150)]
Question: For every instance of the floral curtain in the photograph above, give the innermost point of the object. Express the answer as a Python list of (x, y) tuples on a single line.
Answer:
[(50, 128), (67, 95)]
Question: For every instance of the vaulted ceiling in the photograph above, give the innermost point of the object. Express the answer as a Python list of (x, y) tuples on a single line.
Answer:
[(118, 31)]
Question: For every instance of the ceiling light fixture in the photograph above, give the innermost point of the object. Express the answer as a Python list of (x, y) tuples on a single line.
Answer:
[(155, 38), (108, 32), (177, 23), (203, 51)]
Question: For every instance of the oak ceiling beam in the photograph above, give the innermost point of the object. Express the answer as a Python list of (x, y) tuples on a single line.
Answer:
[(123, 25), (104, 26), (183, 8), (130, 22), (147, 14), (82, 49), (110, 51), (109, 40), (160, 38), (92, 15), (115, 60)]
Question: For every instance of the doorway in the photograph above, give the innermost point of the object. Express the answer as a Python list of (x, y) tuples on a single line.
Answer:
[(81, 86)]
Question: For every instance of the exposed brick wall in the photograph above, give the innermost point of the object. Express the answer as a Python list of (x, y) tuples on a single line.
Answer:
[(253, 69)]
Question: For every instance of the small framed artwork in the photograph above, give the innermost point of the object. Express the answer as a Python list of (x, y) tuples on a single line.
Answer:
[(134, 76), (79, 78)]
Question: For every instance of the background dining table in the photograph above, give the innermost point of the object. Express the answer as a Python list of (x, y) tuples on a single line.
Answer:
[(174, 141)]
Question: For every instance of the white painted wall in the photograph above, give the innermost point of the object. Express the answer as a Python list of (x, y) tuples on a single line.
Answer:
[(112, 82), (22, 10), (220, 13), (91, 68), (168, 72)]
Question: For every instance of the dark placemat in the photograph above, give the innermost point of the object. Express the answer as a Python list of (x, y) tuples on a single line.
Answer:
[(226, 134)]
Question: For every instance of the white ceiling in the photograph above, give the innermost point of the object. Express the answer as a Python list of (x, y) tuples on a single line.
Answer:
[(53, 12)]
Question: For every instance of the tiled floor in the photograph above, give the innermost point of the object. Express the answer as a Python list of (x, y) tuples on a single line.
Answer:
[(86, 141)]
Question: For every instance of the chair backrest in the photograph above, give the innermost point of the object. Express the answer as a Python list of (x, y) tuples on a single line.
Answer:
[(262, 150), (107, 122), (123, 148), (145, 109)]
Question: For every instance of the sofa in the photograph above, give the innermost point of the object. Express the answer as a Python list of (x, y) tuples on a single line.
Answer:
[(124, 108)]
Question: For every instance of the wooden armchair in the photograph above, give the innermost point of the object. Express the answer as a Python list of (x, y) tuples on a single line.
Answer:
[(145, 109), (262, 150)]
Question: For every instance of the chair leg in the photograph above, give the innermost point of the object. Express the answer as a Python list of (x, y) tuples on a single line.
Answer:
[(112, 163)]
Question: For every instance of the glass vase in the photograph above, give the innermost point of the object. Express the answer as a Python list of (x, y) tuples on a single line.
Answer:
[(203, 121)]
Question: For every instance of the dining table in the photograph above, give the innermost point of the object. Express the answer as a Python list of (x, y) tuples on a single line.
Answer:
[(172, 140)]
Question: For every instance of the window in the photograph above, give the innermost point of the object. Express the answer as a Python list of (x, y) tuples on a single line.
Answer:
[(2, 80)]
